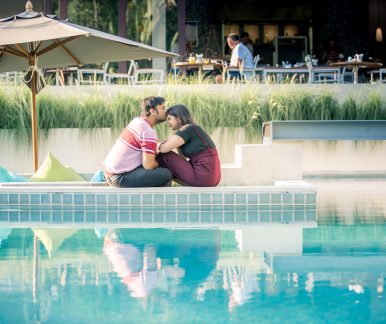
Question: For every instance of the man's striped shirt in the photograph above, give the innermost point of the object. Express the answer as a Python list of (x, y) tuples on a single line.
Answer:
[(126, 153)]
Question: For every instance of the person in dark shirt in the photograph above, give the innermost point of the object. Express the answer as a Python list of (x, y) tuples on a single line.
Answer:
[(330, 53), (198, 163)]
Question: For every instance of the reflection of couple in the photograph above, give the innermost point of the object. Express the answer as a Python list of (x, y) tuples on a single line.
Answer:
[(159, 259), (137, 269), (133, 160)]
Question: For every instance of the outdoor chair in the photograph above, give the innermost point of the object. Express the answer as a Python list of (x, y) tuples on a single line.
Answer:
[(148, 75), (253, 70), (114, 78), (258, 69), (92, 76), (136, 75), (346, 76), (11, 78), (381, 73), (322, 74)]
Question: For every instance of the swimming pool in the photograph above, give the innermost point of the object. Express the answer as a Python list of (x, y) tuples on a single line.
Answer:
[(332, 270)]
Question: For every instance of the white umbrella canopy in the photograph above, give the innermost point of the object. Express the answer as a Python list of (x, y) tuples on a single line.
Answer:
[(62, 43), (31, 41)]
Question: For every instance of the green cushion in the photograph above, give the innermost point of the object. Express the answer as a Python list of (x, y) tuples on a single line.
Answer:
[(52, 170)]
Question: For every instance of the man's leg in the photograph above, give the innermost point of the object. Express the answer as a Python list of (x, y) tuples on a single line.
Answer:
[(234, 75), (141, 177)]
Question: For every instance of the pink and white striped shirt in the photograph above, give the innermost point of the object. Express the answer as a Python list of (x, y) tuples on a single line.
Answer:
[(126, 153)]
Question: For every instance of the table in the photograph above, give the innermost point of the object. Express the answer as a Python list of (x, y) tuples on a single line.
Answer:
[(355, 66), (282, 70), (200, 67)]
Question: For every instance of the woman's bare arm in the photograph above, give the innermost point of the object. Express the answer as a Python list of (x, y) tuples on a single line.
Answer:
[(171, 144)]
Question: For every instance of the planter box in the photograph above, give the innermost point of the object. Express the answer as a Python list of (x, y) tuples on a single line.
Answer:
[(84, 150)]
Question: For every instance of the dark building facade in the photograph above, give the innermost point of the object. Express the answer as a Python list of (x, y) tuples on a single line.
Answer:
[(279, 29), (351, 23)]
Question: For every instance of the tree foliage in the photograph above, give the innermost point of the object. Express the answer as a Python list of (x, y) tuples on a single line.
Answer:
[(103, 15)]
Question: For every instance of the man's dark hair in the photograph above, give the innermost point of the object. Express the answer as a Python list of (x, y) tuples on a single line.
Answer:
[(233, 36), (150, 103), (244, 34)]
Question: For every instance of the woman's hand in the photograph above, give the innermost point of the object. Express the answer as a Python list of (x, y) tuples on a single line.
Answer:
[(157, 151)]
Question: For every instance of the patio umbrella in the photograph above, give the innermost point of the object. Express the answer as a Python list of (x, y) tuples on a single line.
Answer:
[(31, 41)]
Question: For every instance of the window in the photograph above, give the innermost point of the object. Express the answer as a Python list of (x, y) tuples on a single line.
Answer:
[(191, 30), (270, 33), (290, 30), (253, 31)]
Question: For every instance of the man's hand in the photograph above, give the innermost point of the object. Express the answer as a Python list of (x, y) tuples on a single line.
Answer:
[(149, 162)]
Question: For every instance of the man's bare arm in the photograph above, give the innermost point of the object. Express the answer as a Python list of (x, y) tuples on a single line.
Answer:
[(148, 161)]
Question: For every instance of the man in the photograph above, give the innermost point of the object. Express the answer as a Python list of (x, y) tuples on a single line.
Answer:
[(132, 160), (241, 58), (244, 38)]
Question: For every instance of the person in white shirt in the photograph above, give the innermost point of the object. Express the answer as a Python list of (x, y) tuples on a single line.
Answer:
[(241, 58)]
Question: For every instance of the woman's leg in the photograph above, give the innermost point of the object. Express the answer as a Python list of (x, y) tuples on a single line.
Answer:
[(203, 170), (181, 169), (207, 168)]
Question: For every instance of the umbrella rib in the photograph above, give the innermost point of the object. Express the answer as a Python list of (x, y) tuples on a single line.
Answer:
[(12, 51), (37, 47), (22, 49), (71, 54), (55, 45)]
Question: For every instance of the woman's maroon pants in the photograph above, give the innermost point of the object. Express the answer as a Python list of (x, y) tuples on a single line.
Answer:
[(203, 169)]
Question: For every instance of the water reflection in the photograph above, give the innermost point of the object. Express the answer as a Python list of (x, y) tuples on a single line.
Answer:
[(139, 267), (351, 201), (58, 275)]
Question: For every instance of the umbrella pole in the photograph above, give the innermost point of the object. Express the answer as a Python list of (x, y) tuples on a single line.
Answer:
[(34, 123)]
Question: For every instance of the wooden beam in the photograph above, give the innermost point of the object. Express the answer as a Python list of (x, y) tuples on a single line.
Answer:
[(71, 55), (122, 29), (181, 27), (12, 51), (63, 9), (57, 44)]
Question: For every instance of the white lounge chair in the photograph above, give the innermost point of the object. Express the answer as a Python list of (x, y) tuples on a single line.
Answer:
[(381, 73), (92, 76), (136, 75)]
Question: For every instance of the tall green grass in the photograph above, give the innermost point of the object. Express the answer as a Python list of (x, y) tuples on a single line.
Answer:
[(227, 107)]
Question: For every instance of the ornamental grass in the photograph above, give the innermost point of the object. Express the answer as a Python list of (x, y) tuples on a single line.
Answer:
[(212, 106)]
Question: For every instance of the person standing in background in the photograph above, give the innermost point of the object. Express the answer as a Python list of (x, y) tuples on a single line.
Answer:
[(245, 39)]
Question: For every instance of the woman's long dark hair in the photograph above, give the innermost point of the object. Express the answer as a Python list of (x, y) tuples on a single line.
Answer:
[(181, 112)]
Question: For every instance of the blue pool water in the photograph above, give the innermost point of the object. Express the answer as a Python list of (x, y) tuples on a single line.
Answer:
[(329, 271)]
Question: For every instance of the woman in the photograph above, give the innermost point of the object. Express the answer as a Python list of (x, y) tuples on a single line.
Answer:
[(198, 165)]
